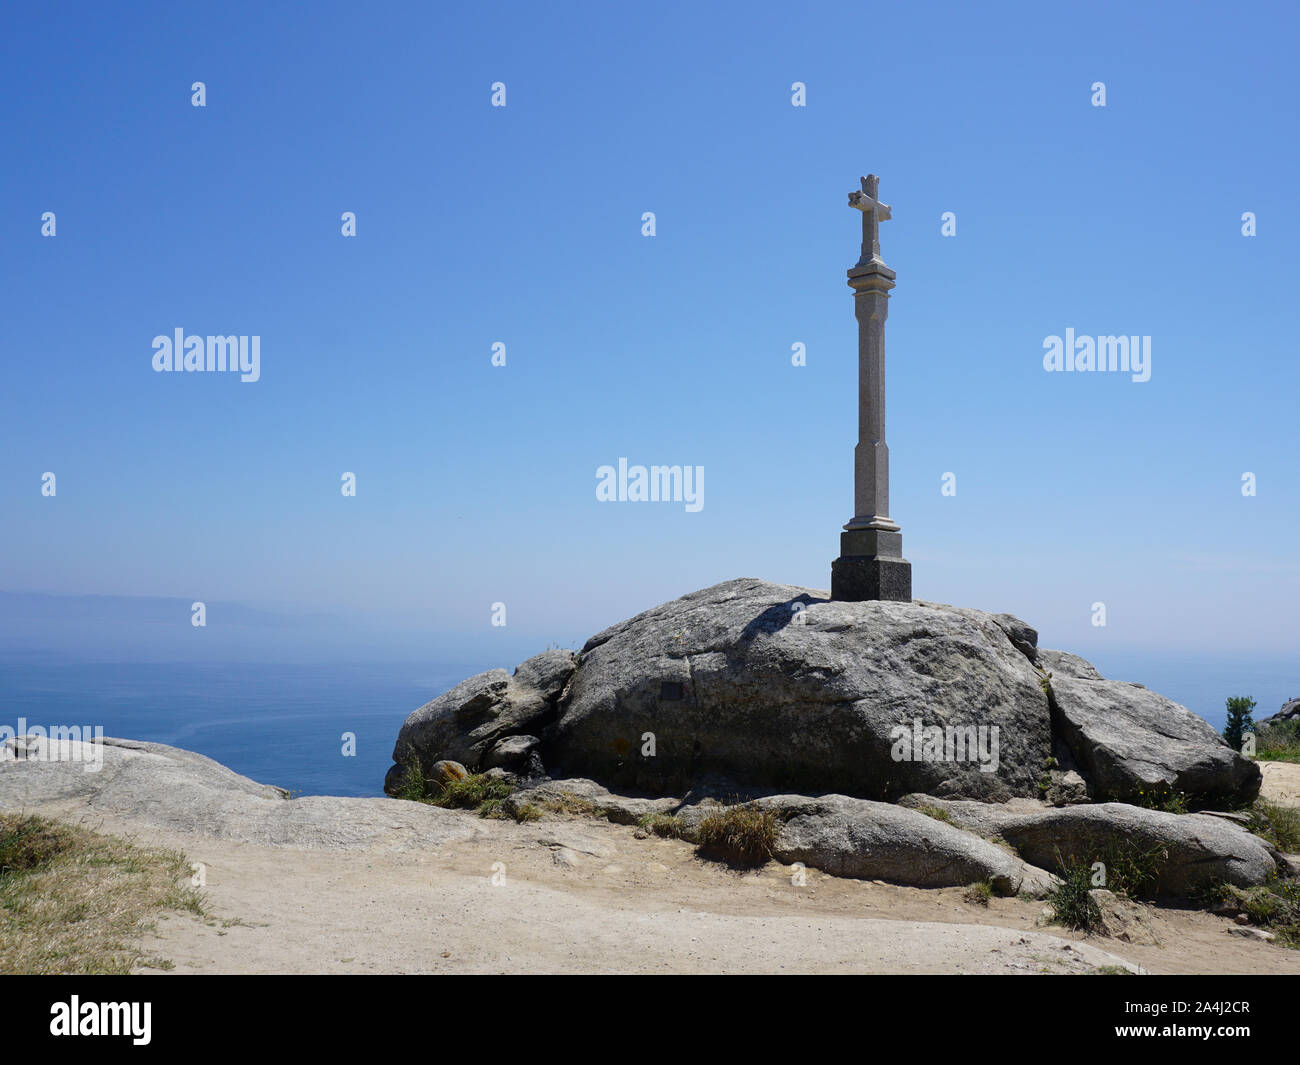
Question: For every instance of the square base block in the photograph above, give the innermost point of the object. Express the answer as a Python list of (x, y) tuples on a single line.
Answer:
[(855, 578)]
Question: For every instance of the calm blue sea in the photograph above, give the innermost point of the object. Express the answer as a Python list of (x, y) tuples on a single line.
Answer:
[(283, 724), (277, 724)]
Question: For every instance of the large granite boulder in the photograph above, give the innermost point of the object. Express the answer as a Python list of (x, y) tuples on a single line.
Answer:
[(480, 721), (761, 688), (1130, 744), (775, 686), (879, 841)]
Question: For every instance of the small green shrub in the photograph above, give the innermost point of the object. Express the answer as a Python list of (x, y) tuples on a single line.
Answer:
[(470, 793), (1070, 902), (937, 812), (411, 786), (978, 894), (1131, 868)]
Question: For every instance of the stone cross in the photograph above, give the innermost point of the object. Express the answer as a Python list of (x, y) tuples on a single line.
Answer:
[(873, 213), (871, 563)]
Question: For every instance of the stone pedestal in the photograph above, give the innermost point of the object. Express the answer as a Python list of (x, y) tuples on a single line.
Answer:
[(871, 566)]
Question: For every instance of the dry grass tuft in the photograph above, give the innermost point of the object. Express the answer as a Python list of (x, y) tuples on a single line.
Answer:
[(742, 836), (73, 901)]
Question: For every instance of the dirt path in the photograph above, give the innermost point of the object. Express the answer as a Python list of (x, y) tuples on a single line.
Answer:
[(582, 896)]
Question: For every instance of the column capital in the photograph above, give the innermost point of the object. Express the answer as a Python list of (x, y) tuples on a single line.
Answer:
[(873, 278)]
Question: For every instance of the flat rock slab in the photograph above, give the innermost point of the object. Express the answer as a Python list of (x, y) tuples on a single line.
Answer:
[(869, 840), (574, 841), (876, 841), (620, 809), (1198, 850), (181, 791)]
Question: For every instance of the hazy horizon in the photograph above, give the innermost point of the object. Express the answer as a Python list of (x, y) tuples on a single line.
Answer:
[(51, 632)]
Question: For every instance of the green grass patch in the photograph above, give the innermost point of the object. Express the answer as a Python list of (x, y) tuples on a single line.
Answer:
[(470, 793), (74, 901), (1274, 906), (1132, 868), (412, 786), (1278, 743), (568, 802), (937, 812), (1279, 825), (526, 812), (27, 843), (666, 826), (478, 791)]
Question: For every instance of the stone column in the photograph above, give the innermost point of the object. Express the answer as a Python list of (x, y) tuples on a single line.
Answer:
[(871, 563)]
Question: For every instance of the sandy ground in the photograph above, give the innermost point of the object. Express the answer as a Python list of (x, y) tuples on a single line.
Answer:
[(1281, 782), (586, 896), (381, 886)]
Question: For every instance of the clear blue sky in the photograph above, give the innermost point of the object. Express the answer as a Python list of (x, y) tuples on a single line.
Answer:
[(522, 225)]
